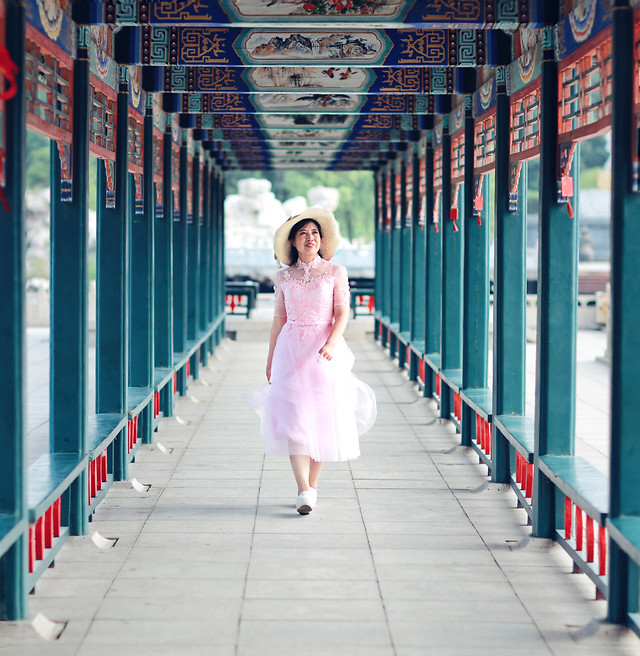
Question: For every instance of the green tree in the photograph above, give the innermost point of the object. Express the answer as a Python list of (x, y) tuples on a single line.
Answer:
[(37, 161), (594, 152), (356, 206)]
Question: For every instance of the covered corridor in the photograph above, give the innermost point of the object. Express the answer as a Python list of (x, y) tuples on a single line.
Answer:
[(410, 551), (454, 108)]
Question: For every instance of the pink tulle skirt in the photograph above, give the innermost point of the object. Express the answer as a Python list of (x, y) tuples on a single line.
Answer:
[(313, 406)]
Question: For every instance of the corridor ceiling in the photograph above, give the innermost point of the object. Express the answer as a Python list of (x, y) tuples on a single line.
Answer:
[(316, 84)]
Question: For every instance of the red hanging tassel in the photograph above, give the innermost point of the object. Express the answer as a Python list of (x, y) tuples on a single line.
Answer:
[(8, 69), (569, 209), (479, 219), (455, 227), (436, 227), (3, 198)]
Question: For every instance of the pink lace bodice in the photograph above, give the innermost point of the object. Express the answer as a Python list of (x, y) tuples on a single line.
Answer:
[(307, 293)]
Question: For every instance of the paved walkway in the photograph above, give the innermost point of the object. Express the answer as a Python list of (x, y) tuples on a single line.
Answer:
[(409, 552)]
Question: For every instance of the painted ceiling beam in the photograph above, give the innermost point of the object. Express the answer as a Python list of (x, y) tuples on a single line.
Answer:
[(334, 78), (211, 46), (314, 138), (302, 103), (423, 14)]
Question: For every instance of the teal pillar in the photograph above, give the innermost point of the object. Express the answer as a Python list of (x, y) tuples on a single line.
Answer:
[(625, 317), (69, 297), (141, 294), (509, 327), (475, 301), (141, 300), (379, 250), (112, 304), (193, 265), (180, 261), (13, 484), (193, 258), (205, 255), (406, 244), (163, 274), (557, 298), (221, 249), (217, 290), (433, 272), (386, 206), (218, 268), (418, 245), (452, 244), (395, 253), (163, 255), (212, 279)]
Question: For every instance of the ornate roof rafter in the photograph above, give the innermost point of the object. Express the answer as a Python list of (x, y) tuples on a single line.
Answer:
[(260, 83)]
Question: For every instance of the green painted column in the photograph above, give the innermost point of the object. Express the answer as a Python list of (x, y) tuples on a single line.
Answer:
[(376, 248), (213, 276), (387, 208), (625, 317), (205, 255), (218, 261), (379, 249), (406, 243), (163, 255), (221, 250), (194, 263), (112, 304), (193, 258), (69, 296), (142, 301), (452, 245), (509, 327), (213, 249), (557, 299), (141, 263), (419, 243), (433, 273), (216, 255), (163, 273), (395, 255), (475, 301), (205, 260), (180, 262), (13, 484)]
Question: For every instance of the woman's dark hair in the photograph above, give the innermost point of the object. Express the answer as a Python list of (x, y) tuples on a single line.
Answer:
[(293, 251)]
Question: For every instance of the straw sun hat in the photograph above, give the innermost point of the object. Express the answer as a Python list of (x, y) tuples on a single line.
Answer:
[(328, 225)]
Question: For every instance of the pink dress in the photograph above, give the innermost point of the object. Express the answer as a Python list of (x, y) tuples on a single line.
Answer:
[(313, 406)]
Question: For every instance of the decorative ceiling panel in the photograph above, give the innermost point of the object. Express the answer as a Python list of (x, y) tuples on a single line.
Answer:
[(312, 83)]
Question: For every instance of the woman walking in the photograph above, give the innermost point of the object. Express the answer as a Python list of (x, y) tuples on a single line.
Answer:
[(314, 408)]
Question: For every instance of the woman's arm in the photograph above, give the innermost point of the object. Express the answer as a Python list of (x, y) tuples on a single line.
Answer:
[(276, 327), (341, 314)]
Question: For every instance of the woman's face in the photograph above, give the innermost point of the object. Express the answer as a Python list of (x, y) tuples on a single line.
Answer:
[(307, 241)]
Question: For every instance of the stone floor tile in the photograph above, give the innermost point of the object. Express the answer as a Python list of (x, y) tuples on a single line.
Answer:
[(309, 569), (173, 589), (448, 637), (313, 610), (411, 550), (330, 589), (167, 608), (161, 632), (291, 636)]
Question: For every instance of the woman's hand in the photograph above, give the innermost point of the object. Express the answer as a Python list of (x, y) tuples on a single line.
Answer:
[(327, 351), (269, 373)]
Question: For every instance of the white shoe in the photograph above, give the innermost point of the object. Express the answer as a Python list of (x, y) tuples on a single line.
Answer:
[(313, 496), (305, 503)]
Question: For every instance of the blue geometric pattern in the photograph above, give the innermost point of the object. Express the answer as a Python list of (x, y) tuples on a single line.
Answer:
[(467, 48)]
